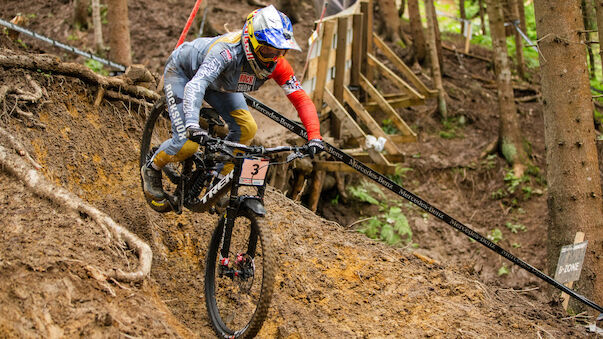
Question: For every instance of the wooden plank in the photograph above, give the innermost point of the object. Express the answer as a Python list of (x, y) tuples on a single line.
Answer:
[(338, 84), (351, 126), (323, 64), (387, 109), (364, 156), (366, 8), (399, 102), (401, 139), (468, 39), (393, 77), (372, 125), (356, 51), (401, 66), (337, 166), (338, 110), (342, 32)]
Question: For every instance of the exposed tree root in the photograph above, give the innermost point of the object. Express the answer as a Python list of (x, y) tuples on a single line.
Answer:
[(21, 95), (16, 165), (49, 63), (124, 97)]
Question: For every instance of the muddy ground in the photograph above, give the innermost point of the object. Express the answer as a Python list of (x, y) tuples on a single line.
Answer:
[(332, 280)]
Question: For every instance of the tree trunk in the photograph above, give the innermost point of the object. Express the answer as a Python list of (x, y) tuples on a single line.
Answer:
[(574, 187), (518, 39), (390, 20), (463, 15), (481, 17), (433, 53), (416, 28), (438, 38), (119, 32), (98, 28), (80, 14), (509, 134), (588, 18), (600, 27), (522, 16)]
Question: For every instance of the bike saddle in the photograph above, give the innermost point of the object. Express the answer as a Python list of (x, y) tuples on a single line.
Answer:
[(212, 117)]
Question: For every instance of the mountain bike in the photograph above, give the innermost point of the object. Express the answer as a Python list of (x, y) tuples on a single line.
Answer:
[(240, 265)]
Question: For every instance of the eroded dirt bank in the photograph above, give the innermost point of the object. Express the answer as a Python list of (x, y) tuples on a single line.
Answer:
[(332, 282)]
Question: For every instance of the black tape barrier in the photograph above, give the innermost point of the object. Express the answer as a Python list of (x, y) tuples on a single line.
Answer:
[(392, 186), (61, 45)]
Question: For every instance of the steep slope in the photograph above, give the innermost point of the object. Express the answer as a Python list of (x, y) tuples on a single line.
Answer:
[(331, 282)]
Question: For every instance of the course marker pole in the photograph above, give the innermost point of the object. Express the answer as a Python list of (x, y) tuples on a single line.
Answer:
[(189, 22)]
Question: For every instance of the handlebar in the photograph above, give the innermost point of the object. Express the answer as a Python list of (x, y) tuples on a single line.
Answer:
[(225, 147)]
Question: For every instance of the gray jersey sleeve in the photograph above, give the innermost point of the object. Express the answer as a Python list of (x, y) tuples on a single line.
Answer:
[(214, 62)]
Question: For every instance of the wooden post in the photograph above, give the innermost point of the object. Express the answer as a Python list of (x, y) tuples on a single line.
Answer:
[(578, 238), (433, 52), (318, 177), (356, 51), (468, 38), (366, 7), (342, 33), (323, 63), (298, 187)]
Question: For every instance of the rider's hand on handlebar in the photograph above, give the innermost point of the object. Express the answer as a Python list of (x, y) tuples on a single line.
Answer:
[(315, 146), (197, 134)]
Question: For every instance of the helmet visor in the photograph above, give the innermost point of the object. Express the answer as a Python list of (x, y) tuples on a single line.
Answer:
[(269, 53)]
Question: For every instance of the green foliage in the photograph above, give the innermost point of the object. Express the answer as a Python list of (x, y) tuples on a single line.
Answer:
[(335, 200), (21, 43), (96, 66), (503, 270), (597, 89), (452, 126), (516, 245), (388, 126), (364, 192), (515, 227), (495, 235), (399, 174), (472, 9), (391, 227), (514, 184)]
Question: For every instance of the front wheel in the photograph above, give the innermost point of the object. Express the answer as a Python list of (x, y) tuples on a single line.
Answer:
[(238, 289)]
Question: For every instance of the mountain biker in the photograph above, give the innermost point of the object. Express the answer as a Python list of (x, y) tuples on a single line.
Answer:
[(218, 70)]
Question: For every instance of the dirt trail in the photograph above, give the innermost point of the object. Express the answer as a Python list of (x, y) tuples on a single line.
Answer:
[(332, 281)]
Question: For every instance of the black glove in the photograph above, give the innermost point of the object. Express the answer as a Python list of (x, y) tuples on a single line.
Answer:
[(197, 135), (315, 146)]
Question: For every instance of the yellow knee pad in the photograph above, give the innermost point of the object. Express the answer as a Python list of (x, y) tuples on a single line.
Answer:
[(189, 148), (247, 123)]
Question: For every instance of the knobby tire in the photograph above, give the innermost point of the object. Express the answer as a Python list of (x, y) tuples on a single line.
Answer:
[(268, 262)]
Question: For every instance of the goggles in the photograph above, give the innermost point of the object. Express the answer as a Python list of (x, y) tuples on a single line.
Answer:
[(269, 53)]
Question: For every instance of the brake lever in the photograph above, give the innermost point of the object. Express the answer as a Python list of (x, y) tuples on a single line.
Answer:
[(297, 154)]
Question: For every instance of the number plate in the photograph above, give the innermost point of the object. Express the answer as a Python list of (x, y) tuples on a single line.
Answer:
[(254, 172)]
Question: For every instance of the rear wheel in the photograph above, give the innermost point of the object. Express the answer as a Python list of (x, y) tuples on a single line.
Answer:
[(156, 130), (238, 289)]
